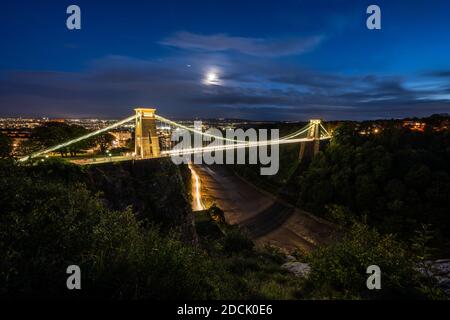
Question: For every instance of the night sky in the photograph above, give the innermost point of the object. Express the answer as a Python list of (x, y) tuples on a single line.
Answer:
[(269, 60)]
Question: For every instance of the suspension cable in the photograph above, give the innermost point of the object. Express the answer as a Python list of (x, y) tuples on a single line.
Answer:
[(173, 123), (323, 128), (70, 142)]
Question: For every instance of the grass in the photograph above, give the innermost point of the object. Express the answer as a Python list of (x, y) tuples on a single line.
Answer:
[(247, 271)]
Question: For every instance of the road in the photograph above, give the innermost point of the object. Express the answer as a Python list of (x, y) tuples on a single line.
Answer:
[(267, 219)]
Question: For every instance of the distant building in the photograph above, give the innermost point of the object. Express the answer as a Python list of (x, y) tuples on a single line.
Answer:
[(441, 124), (414, 125), (371, 129), (17, 135), (122, 138)]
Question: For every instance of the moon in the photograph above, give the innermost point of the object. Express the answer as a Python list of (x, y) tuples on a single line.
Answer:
[(211, 78)]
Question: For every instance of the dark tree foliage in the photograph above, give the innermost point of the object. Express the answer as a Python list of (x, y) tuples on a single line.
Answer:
[(50, 220), (5, 146), (397, 178), (104, 141), (53, 133), (338, 271)]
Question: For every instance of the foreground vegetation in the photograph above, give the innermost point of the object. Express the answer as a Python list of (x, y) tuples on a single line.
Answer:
[(51, 218)]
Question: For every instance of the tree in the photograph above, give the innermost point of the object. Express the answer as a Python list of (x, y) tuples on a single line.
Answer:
[(104, 141), (397, 178), (27, 147), (53, 133), (5, 146)]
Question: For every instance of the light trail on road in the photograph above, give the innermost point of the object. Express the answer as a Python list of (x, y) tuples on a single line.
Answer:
[(197, 190)]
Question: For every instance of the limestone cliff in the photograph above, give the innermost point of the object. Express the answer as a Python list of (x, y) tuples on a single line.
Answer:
[(154, 189)]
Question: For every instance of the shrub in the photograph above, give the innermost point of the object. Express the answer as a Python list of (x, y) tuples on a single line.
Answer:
[(49, 224), (339, 270), (236, 241)]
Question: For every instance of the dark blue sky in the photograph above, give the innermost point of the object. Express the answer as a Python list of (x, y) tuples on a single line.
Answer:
[(289, 60)]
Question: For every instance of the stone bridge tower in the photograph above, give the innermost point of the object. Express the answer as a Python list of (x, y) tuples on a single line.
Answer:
[(309, 149), (146, 138)]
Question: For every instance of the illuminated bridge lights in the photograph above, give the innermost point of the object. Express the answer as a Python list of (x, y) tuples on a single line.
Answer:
[(316, 126)]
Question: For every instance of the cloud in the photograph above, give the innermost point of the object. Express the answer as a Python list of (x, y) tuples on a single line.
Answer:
[(250, 88), (251, 46), (441, 73)]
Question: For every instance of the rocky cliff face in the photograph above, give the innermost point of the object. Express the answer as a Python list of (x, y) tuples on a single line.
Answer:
[(154, 189), (440, 271)]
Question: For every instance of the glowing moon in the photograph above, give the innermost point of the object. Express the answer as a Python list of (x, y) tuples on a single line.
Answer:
[(211, 78)]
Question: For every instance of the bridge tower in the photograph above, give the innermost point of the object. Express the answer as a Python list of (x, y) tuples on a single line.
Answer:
[(146, 138), (310, 149)]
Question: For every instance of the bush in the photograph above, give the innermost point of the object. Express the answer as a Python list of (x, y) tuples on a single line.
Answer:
[(153, 266), (48, 224), (236, 241), (339, 270), (216, 214)]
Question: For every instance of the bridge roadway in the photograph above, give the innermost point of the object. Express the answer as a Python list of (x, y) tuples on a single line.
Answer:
[(269, 220)]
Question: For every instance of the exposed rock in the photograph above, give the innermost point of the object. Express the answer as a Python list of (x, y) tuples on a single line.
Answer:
[(300, 269), (442, 260), (153, 188), (440, 270), (441, 267), (445, 285), (290, 258)]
